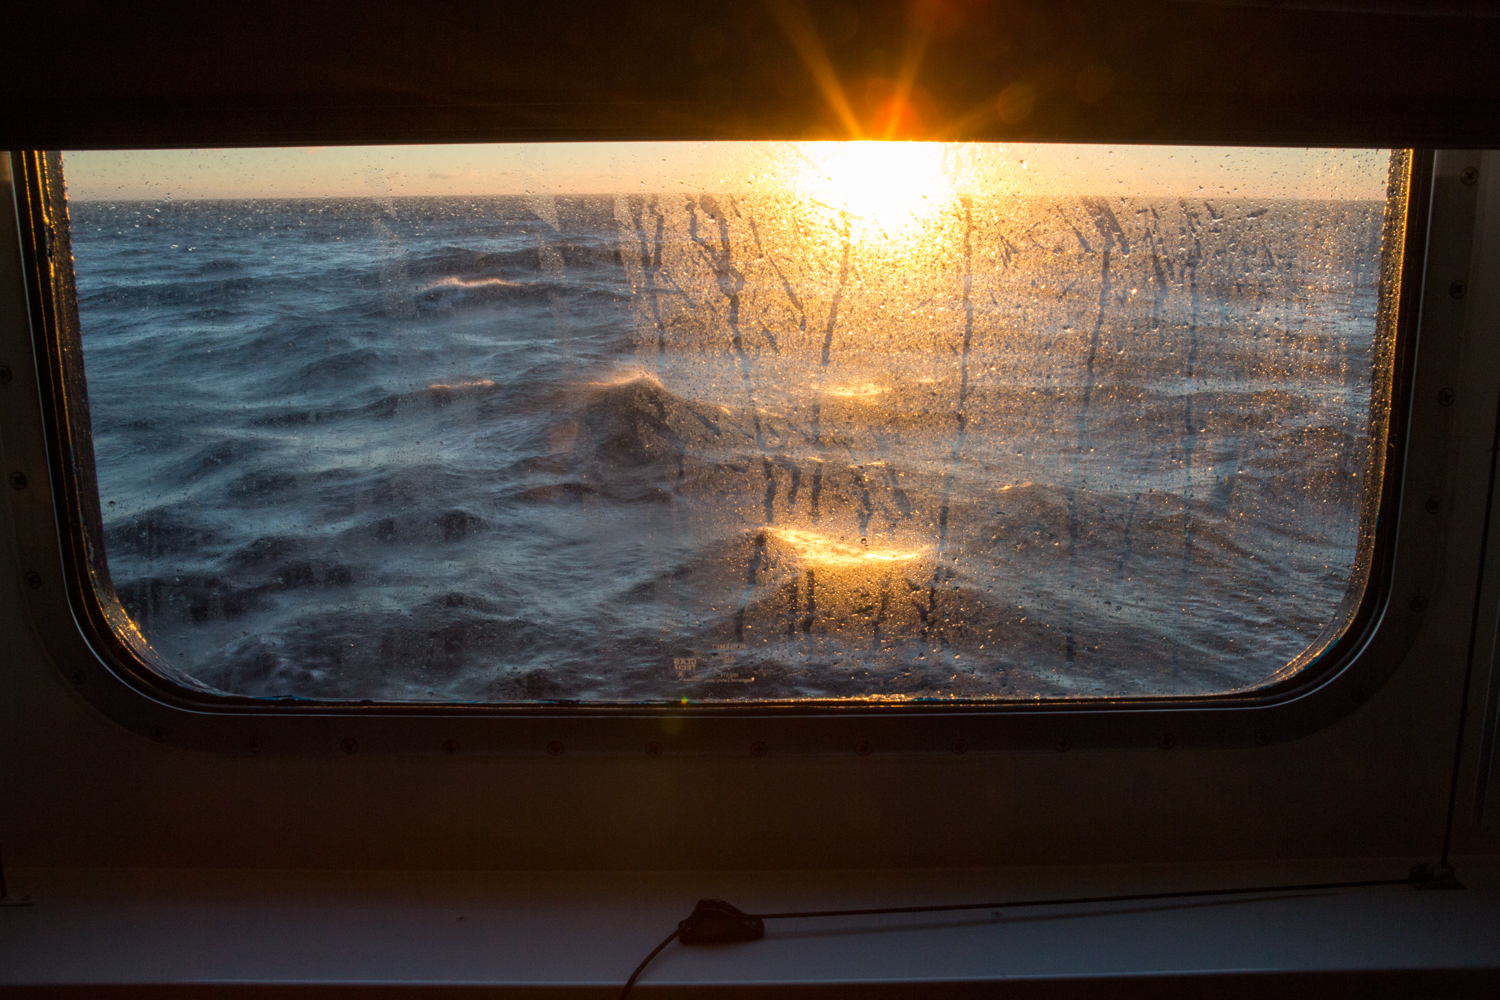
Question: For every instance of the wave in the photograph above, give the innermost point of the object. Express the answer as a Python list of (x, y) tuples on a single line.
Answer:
[(443, 449)]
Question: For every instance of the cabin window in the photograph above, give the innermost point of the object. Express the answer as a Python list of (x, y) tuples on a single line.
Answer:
[(737, 422)]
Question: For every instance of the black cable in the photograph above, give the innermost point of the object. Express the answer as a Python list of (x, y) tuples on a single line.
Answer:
[(1126, 898), (645, 962), (719, 909)]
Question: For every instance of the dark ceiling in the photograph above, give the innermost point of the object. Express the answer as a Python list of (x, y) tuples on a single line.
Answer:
[(82, 74)]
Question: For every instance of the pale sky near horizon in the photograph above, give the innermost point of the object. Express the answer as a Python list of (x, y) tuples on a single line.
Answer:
[(728, 167)]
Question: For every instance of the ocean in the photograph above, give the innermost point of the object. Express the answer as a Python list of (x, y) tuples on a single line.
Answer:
[(712, 448)]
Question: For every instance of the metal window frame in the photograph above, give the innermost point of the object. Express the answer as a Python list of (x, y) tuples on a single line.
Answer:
[(93, 645)]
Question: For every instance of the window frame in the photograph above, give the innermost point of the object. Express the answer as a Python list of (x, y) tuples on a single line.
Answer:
[(87, 635)]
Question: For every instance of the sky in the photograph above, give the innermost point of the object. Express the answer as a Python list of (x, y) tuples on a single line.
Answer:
[(728, 167)]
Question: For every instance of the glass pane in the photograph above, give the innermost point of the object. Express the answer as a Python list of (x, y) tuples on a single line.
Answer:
[(737, 421)]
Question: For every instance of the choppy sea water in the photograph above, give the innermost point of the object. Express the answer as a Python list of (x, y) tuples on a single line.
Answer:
[(654, 449)]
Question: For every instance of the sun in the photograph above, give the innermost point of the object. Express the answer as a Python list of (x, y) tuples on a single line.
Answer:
[(892, 188)]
